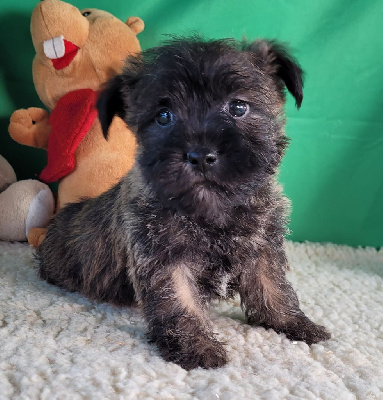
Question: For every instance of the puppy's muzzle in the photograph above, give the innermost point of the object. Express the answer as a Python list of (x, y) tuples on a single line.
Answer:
[(202, 159)]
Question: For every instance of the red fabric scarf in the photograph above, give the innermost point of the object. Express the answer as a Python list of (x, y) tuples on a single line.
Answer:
[(70, 121)]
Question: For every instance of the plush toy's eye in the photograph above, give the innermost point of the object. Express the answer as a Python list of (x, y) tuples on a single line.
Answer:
[(86, 13), (238, 108), (164, 117)]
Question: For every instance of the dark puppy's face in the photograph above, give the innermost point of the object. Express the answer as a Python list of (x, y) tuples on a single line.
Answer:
[(208, 118)]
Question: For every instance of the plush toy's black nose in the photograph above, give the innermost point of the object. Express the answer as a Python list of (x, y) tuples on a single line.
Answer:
[(202, 159)]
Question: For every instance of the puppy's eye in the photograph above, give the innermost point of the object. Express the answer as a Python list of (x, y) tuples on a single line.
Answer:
[(164, 117), (86, 13), (238, 108)]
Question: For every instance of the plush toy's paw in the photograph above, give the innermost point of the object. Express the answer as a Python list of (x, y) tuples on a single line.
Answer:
[(36, 236), (30, 127), (27, 118)]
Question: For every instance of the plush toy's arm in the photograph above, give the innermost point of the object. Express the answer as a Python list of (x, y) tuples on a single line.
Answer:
[(30, 127)]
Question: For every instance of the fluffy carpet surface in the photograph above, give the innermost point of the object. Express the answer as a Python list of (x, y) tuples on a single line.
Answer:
[(59, 345)]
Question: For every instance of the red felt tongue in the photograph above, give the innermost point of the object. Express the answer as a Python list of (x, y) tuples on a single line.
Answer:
[(70, 52)]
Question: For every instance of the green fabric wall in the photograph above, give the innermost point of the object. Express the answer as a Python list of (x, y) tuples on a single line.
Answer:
[(333, 170)]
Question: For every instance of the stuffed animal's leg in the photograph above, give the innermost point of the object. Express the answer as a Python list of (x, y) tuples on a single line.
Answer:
[(36, 236)]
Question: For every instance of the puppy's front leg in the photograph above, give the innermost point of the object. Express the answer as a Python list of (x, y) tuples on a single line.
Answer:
[(270, 300), (177, 321)]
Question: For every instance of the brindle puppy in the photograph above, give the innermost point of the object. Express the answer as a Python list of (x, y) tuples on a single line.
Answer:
[(200, 215)]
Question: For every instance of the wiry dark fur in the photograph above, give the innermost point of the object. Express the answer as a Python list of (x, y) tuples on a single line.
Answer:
[(173, 236)]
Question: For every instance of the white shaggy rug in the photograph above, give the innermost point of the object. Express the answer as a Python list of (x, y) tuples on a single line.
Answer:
[(59, 345)]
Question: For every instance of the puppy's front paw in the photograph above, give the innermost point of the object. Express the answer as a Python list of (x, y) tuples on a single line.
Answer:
[(205, 353), (305, 330)]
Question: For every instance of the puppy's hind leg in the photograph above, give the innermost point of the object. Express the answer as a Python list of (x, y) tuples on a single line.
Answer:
[(81, 252), (269, 299), (176, 320)]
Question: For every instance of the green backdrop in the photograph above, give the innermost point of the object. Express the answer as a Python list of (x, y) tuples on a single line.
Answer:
[(333, 170)]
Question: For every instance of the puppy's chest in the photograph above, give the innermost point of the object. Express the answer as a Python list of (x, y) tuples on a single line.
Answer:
[(209, 250), (212, 256)]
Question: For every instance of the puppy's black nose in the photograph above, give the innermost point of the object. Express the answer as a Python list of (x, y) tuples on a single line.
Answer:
[(202, 158)]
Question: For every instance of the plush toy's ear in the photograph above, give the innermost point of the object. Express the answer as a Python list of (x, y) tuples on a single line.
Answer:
[(274, 59), (135, 24), (110, 103)]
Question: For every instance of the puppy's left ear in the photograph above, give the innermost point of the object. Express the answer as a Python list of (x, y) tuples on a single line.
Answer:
[(275, 60), (110, 103)]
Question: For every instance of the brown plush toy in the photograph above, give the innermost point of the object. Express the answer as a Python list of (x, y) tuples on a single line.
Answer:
[(76, 53)]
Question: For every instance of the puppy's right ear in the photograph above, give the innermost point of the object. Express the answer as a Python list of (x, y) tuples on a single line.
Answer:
[(274, 59), (110, 103)]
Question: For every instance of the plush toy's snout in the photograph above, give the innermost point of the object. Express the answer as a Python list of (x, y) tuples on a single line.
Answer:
[(60, 51), (58, 30)]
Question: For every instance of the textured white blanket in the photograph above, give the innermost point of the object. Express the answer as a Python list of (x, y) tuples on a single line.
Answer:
[(59, 345)]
